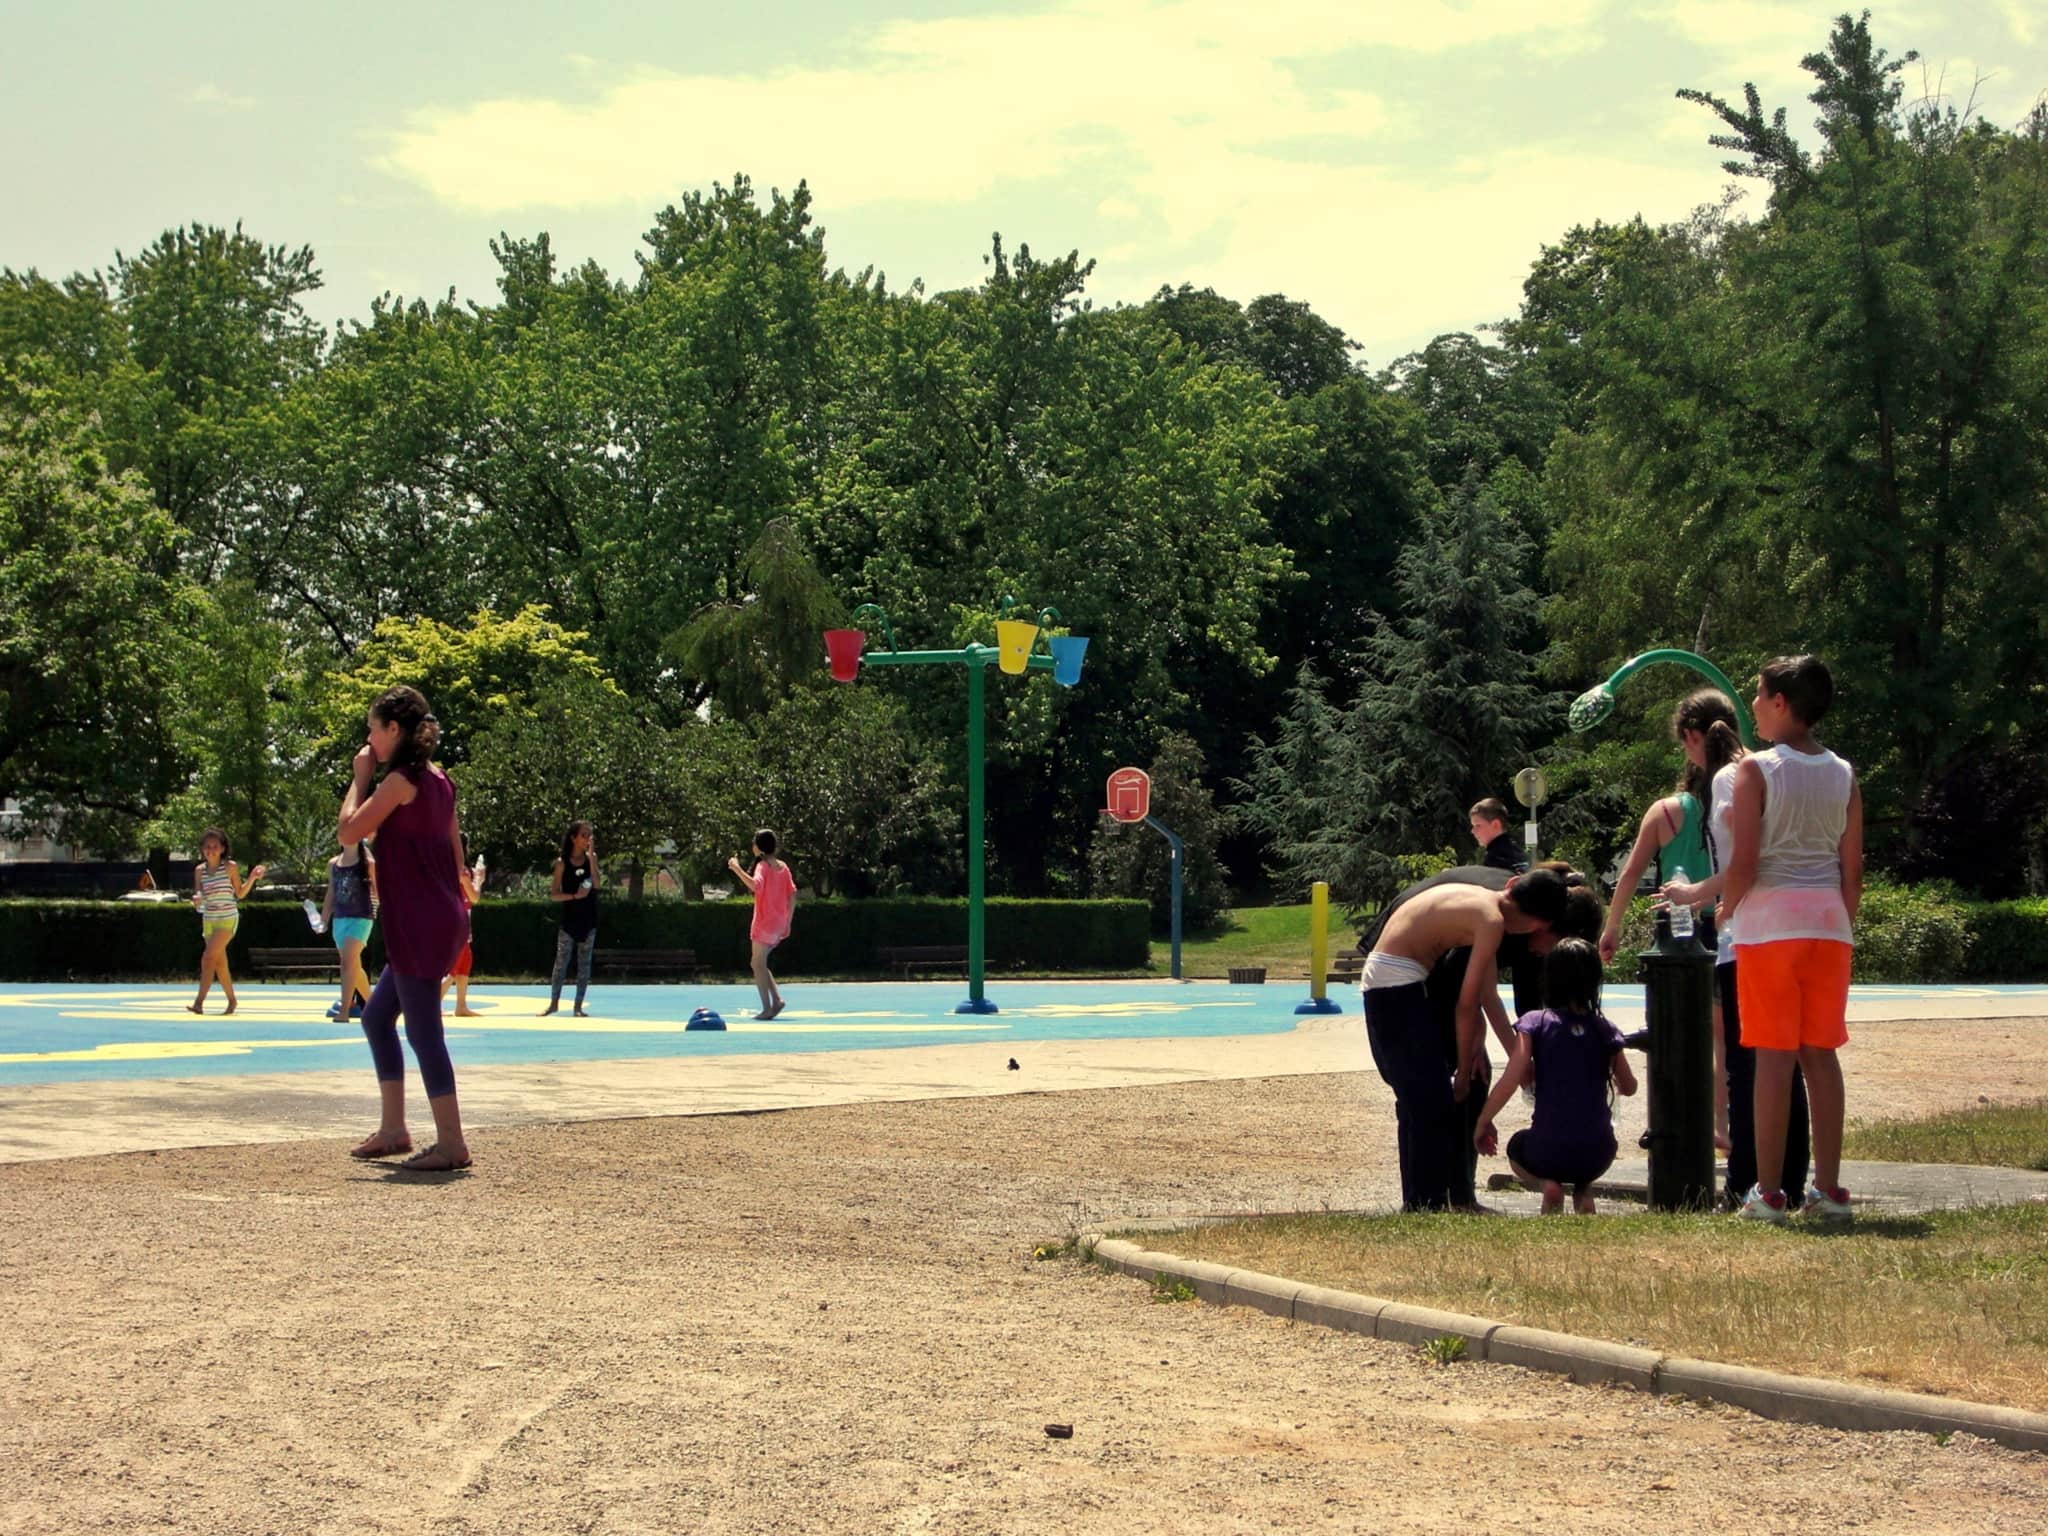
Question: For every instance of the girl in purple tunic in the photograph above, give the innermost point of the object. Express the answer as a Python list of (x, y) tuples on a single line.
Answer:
[(1571, 1053), (426, 922)]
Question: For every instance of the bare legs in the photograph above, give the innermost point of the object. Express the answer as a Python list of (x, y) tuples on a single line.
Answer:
[(418, 999), (764, 983), (391, 1135), (1824, 1097), (354, 983), (213, 961), (1553, 1192)]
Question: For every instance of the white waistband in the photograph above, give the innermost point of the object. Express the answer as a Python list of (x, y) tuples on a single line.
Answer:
[(1385, 970)]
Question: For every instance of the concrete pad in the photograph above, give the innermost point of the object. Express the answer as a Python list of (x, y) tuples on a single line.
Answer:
[(86, 1119), (1590, 1362)]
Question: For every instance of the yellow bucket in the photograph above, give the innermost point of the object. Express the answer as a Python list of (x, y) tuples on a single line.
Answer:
[(1013, 643)]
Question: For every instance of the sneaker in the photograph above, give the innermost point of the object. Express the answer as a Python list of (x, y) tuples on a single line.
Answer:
[(334, 1010), (1822, 1205), (1758, 1206)]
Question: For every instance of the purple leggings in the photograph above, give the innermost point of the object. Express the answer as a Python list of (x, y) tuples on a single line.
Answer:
[(419, 999)]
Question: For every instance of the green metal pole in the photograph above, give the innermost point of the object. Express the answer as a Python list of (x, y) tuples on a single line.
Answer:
[(977, 667), (1597, 702)]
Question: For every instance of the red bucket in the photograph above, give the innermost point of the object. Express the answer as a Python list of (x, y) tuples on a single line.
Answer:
[(842, 650)]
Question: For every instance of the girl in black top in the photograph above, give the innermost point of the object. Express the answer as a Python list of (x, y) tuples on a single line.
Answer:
[(576, 882)]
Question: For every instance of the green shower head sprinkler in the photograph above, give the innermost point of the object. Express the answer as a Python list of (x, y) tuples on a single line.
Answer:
[(1593, 707)]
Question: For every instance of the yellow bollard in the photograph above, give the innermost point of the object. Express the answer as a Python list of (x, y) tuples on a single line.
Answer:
[(1319, 940), (1318, 952)]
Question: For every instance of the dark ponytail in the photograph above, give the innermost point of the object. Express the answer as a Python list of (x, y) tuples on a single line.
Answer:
[(1723, 747), (419, 733), (1702, 711)]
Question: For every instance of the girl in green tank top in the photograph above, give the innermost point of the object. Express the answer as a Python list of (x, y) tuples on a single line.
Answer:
[(1673, 836)]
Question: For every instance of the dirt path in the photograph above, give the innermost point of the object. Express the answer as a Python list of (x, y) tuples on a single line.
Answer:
[(827, 1320)]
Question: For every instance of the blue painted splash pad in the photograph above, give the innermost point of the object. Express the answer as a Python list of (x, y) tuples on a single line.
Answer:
[(96, 1033), (101, 1033)]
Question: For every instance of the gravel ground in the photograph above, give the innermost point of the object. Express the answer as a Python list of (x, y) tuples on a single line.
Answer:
[(828, 1320)]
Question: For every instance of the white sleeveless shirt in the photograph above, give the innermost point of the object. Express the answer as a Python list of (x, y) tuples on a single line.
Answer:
[(1798, 890)]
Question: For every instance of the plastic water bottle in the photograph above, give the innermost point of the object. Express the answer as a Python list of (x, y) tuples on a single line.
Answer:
[(313, 916), (476, 874), (1681, 914)]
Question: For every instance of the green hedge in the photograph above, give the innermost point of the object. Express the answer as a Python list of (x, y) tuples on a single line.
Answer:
[(117, 940), (1914, 933), (2008, 940)]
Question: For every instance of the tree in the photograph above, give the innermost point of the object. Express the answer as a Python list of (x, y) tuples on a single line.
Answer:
[(92, 623), (475, 677), (1854, 403), (1481, 404), (216, 334), (240, 717), (1448, 705), (750, 651), (836, 773), (588, 756)]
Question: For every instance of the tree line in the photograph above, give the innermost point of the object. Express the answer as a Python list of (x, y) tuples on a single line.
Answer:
[(602, 519)]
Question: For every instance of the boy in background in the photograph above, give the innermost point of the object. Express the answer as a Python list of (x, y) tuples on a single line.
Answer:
[(1489, 823)]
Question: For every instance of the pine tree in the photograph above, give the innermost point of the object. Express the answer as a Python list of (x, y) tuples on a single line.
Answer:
[(1449, 704)]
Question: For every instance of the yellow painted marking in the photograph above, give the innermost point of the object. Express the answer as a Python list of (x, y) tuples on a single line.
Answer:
[(307, 1016), (597, 1026), (162, 1050), (1135, 1008)]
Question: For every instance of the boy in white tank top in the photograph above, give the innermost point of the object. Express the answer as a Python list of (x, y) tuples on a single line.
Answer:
[(1796, 875)]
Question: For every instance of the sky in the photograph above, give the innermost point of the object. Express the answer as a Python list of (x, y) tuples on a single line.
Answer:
[(1398, 164)]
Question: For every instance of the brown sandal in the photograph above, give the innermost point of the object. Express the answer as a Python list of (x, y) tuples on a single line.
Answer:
[(371, 1147)]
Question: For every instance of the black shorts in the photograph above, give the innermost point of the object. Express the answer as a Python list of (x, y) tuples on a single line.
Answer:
[(1567, 1165)]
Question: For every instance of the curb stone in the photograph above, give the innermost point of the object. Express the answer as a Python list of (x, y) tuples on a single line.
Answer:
[(1770, 1394)]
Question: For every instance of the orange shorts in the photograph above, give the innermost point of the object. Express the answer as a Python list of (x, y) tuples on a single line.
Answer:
[(1793, 992)]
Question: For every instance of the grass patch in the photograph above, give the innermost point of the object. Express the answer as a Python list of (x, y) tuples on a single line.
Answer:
[(1444, 1349), (1989, 1136), (1275, 937), (1948, 1303)]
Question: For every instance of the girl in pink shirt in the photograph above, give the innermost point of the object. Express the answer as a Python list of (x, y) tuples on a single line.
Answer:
[(774, 891)]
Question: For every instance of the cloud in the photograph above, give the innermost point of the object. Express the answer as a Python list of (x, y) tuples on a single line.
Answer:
[(213, 98), (940, 111), (1196, 131)]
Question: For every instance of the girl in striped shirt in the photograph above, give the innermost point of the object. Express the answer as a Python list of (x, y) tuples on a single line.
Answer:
[(218, 885)]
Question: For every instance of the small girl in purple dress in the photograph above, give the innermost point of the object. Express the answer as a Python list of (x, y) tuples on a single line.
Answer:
[(1571, 1054)]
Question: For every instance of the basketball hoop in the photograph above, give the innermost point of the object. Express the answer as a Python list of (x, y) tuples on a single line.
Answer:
[(1130, 795)]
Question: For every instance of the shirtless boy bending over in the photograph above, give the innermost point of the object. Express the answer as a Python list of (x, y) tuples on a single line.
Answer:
[(1431, 1070)]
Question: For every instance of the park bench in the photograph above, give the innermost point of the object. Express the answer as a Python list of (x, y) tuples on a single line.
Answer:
[(321, 960), (645, 962), (1346, 969), (910, 958)]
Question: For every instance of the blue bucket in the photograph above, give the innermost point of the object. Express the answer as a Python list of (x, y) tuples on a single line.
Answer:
[(1067, 651)]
